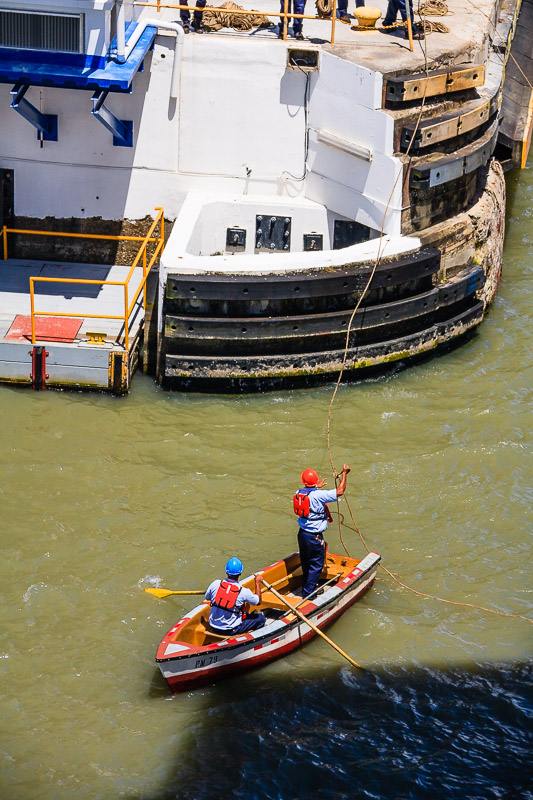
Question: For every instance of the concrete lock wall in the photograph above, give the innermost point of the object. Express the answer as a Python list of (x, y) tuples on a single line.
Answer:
[(237, 126)]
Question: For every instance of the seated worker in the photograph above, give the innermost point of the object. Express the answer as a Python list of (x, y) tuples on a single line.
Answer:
[(228, 602)]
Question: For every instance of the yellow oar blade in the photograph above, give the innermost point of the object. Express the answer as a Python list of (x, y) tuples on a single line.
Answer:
[(166, 592)]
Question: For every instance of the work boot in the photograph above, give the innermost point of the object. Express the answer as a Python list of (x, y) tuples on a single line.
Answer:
[(418, 32)]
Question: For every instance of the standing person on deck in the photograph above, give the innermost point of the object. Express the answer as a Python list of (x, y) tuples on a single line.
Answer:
[(228, 600), (342, 9), (299, 8), (197, 17), (395, 6), (310, 505)]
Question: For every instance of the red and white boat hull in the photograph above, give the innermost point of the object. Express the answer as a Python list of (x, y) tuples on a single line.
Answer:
[(185, 666)]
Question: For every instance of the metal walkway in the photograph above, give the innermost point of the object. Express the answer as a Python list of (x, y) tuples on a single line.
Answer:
[(79, 351)]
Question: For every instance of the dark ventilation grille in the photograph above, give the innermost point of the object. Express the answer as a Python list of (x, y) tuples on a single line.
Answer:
[(30, 30)]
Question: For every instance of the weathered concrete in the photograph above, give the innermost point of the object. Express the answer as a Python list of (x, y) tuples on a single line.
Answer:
[(466, 42), (488, 221), (475, 236), (74, 250)]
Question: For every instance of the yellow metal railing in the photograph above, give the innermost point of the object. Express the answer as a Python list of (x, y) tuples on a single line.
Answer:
[(129, 305), (282, 14)]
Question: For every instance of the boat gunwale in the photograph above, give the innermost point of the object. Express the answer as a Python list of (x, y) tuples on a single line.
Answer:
[(266, 632)]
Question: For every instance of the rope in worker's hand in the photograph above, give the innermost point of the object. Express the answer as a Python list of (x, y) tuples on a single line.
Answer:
[(424, 594)]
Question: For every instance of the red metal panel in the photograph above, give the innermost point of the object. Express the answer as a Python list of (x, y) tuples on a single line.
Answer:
[(50, 329)]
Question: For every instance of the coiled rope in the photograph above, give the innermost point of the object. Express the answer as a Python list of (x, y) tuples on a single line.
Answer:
[(336, 474), (324, 8), (224, 18), (434, 8)]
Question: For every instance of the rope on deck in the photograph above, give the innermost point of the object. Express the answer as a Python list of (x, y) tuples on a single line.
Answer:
[(216, 20), (324, 8)]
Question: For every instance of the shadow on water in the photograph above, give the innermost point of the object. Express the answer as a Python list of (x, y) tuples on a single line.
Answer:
[(393, 733)]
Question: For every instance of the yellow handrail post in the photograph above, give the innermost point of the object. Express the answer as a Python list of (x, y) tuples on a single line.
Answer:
[(333, 18), (149, 238), (144, 277), (126, 319), (4, 237), (285, 19), (32, 306)]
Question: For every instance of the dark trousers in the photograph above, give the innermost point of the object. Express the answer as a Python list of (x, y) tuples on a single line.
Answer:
[(312, 558), (197, 16), (251, 622), (342, 6), (299, 8), (392, 12)]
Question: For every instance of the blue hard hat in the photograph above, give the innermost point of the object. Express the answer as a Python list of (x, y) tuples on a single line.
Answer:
[(234, 566)]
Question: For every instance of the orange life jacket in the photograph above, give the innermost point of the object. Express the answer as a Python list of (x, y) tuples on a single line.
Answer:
[(302, 506), (226, 597)]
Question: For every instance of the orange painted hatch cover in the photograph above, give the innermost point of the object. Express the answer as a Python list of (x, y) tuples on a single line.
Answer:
[(50, 329)]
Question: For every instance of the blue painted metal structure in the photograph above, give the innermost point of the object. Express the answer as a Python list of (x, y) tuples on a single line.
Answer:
[(75, 71), (46, 124), (122, 129), (28, 68)]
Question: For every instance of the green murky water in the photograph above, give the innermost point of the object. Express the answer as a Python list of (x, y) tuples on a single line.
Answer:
[(102, 496)]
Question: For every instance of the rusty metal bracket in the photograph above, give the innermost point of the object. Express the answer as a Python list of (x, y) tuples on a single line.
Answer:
[(448, 126), (38, 374), (118, 372), (413, 87), (434, 173)]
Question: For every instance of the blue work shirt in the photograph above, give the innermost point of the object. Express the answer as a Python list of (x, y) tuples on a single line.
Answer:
[(227, 620), (317, 522)]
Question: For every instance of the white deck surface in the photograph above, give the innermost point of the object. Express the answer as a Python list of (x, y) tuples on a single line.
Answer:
[(468, 23), (68, 298)]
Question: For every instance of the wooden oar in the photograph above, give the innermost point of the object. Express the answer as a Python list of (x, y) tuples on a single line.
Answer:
[(166, 592), (311, 625)]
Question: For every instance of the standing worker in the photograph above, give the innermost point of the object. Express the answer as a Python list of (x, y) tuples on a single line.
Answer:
[(310, 505), (228, 602), (197, 17), (342, 9), (395, 6), (299, 8)]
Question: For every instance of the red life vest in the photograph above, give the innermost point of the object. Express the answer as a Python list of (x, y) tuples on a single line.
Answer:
[(302, 506), (226, 597)]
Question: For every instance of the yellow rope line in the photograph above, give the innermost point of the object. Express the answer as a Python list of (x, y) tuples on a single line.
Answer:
[(376, 263), (498, 34), (328, 433), (432, 596)]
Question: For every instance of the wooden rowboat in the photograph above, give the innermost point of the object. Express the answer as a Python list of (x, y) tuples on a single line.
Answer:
[(191, 655)]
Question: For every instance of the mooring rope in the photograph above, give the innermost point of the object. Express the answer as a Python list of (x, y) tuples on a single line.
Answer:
[(500, 37), (424, 594), (376, 263), (343, 365), (225, 18), (434, 8)]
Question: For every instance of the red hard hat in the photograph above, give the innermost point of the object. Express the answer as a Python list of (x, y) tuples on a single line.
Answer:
[(310, 477)]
